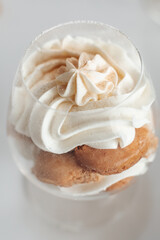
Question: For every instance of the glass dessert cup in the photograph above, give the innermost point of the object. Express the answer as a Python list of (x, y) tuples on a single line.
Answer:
[(59, 138)]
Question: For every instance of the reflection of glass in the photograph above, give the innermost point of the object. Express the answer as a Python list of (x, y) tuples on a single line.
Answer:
[(153, 9), (29, 112)]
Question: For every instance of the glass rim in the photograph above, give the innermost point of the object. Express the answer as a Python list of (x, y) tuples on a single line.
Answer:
[(88, 22)]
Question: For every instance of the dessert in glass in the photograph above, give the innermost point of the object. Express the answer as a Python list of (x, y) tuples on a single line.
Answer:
[(81, 123)]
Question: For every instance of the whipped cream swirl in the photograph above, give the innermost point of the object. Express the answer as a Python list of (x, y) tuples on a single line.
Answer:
[(87, 91), (85, 79)]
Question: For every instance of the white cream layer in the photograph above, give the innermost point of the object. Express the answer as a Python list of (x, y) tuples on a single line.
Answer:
[(82, 85)]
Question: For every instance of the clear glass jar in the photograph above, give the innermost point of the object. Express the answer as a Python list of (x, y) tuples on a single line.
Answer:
[(30, 118)]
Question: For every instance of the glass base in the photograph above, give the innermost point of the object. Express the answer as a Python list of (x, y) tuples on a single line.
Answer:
[(77, 215)]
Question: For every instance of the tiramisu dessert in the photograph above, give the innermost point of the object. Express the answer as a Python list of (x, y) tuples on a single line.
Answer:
[(82, 108)]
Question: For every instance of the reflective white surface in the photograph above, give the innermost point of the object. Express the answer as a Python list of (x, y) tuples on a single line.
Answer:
[(20, 22)]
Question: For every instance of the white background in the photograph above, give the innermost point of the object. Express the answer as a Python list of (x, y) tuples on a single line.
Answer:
[(20, 22)]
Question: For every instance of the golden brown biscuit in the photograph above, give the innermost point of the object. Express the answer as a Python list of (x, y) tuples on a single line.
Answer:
[(61, 169), (112, 161), (120, 185)]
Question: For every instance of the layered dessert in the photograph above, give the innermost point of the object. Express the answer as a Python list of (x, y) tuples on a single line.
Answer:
[(83, 108)]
